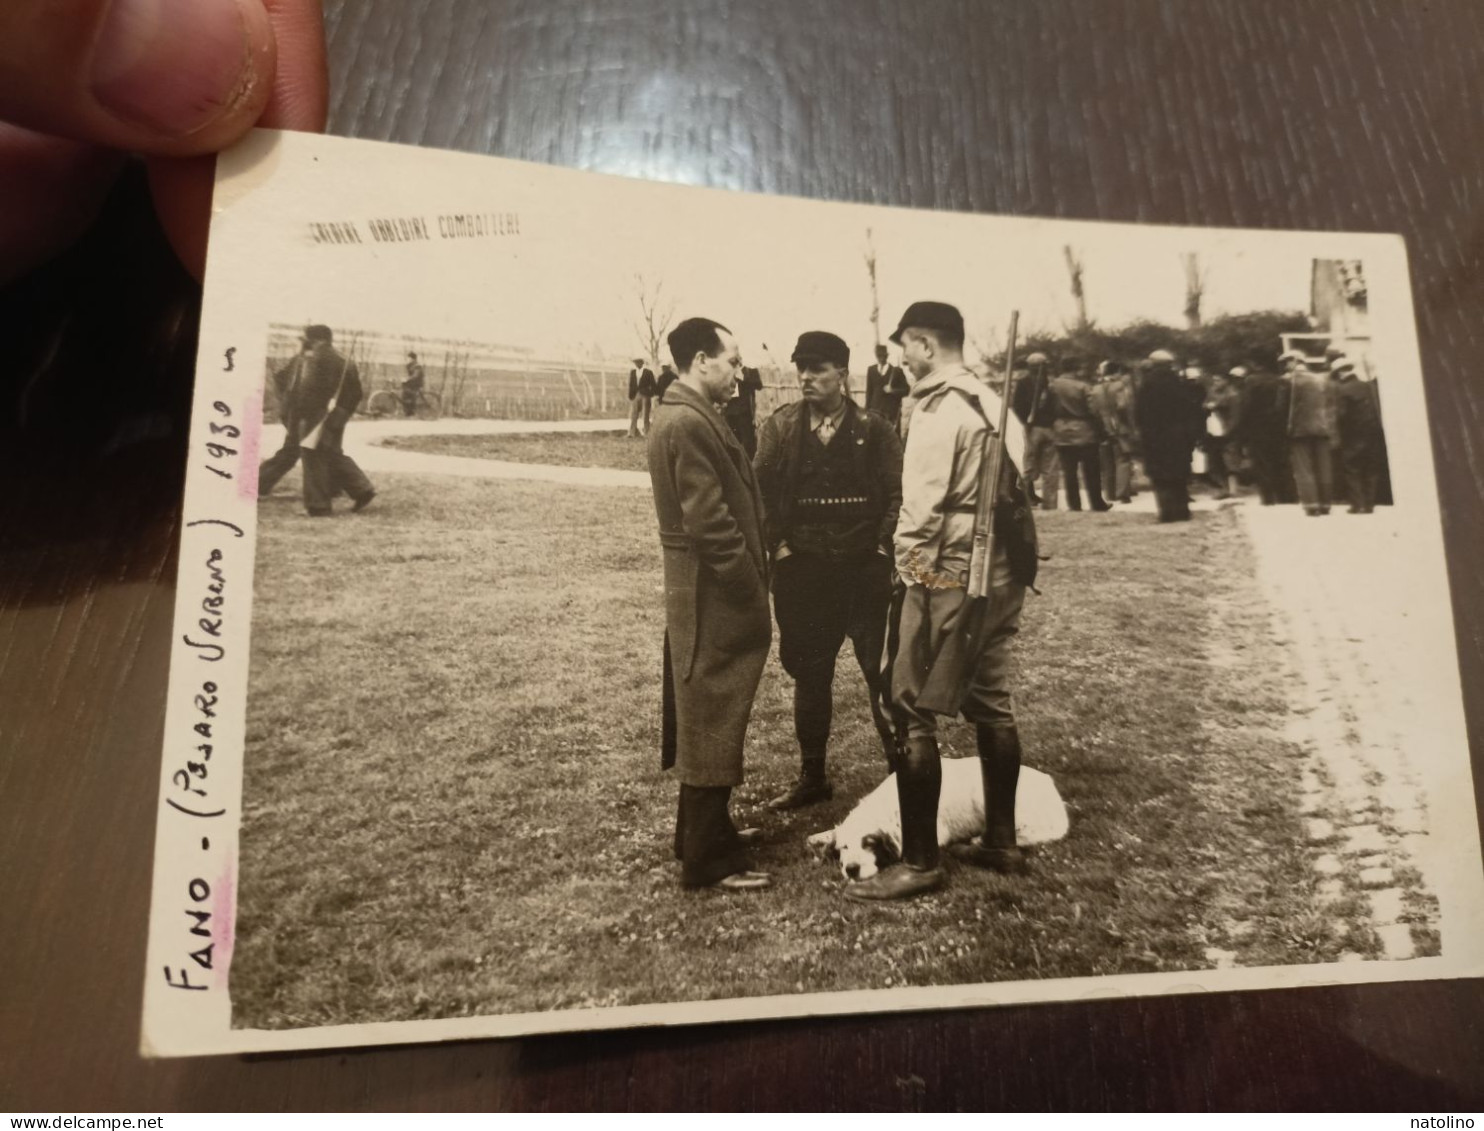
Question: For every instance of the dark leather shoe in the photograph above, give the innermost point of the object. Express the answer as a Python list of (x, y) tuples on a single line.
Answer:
[(744, 881), (805, 792), (749, 838), (364, 501), (899, 881), (1010, 861)]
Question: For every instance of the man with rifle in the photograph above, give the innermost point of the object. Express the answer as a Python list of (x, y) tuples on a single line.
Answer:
[(965, 552)]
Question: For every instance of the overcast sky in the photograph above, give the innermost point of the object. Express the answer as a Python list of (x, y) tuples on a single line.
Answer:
[(769, 267)]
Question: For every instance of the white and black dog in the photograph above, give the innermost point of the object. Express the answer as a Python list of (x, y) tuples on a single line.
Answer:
[(871, 836)]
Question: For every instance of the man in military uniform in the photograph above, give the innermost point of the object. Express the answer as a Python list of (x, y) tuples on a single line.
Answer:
[(717, 628), (318, 393), (1112, 400), (886, 385), (831, 481), (952, 416), (1036, 408), (1077, 431)]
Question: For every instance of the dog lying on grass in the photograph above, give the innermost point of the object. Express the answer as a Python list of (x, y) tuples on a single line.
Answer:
[(870, 838)]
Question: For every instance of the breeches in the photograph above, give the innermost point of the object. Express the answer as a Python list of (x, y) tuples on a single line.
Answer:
[(819, 601), (928, 617)]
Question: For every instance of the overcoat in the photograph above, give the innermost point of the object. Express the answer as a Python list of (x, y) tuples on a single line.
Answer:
[(717, 625), (1166, 416), (321, 386)]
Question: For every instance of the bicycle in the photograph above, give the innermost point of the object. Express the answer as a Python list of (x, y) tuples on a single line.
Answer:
[(388, 402)]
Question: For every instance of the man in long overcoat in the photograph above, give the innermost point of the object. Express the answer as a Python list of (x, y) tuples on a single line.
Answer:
[(717, 625), (1362, 443), (1166, 417), (318, 393)]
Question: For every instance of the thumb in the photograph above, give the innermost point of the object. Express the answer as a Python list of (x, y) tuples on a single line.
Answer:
[(155, 76)]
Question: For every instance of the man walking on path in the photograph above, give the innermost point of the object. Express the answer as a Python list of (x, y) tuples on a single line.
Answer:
[(831, 481), (941, 471), (641, 396), (318, 393), (717, 628)]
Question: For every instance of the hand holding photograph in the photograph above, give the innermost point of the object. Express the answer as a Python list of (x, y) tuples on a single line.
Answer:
[(529, 511)]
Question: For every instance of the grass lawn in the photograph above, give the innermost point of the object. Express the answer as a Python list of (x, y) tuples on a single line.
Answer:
[(567, 449), (454, 806)]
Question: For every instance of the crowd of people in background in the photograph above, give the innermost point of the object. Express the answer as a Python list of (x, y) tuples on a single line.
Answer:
[(1095, 433), (1091, 429)]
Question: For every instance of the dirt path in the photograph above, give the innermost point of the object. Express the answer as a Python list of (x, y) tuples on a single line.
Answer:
[(364, 440), (1366, 812)]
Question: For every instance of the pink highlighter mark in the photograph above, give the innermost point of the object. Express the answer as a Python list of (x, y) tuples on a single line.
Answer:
[(224, 922), (252, 434)]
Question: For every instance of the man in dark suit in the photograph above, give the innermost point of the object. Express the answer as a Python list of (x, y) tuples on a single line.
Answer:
[(317, 395), (641, 396), (717, 627), (740, 412), (886, 385), (831, 480)]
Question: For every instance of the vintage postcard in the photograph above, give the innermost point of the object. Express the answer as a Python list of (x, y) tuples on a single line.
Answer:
[(511, 485)]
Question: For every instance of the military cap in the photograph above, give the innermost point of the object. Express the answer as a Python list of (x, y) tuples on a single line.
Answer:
[(1238, 371), (1162, 355), (821, 345), (1037, 358), (930, 316), (318, 333), (1290, 355), (1340, 363)]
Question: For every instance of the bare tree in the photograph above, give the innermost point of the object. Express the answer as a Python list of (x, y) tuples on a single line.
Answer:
[(1074, 270), (1195, 289), (875, 296), (655, 315)]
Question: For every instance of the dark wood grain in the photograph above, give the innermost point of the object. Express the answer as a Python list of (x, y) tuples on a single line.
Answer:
[(1264, 113)]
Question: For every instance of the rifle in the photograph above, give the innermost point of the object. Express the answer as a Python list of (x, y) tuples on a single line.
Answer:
[(948, 678)]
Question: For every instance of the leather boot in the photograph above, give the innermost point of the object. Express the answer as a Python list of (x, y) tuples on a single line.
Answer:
[(999, 765), (919, 781), (812, 787)]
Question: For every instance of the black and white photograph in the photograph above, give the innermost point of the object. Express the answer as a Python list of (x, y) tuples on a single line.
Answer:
[(606, 603)]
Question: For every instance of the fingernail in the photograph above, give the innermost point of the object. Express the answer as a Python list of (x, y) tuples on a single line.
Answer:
[(174, 65)]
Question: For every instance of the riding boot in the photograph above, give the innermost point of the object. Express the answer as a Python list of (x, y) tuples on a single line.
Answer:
[(813, 784), (813, 704), (919, 781), (999, 766)]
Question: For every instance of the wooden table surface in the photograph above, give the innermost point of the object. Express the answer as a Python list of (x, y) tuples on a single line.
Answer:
[(1264, 113)]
